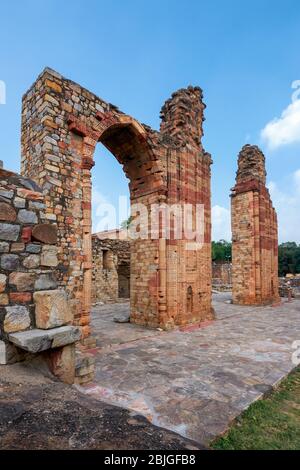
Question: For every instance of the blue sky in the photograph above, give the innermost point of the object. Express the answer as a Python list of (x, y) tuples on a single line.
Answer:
[(244, 54)]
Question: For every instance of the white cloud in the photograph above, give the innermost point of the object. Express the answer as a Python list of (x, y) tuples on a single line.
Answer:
[(107, 215), (287, 205), (103, 212), (221, 223), (284, 130)]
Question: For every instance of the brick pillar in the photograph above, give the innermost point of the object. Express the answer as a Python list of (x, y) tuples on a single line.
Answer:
[(254, 233), (87, 164)]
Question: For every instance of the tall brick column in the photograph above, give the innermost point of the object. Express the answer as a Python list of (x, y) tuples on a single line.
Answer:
[(254, 233)]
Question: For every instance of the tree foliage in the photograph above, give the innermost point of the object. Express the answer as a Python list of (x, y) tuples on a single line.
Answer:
[(221, 251), (289, 258), (288, 255)]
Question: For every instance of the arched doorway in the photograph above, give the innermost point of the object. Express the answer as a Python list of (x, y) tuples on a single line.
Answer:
[(62, 124)]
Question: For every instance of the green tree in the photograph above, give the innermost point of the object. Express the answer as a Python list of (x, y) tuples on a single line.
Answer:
[(221, 251), (289, 258)]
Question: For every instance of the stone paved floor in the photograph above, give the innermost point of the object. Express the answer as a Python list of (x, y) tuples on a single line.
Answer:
[(194, 383)]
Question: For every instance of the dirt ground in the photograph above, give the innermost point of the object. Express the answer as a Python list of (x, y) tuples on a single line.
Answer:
[(39, 413)]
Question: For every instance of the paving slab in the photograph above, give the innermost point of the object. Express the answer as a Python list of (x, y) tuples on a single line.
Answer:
[(194, 382)]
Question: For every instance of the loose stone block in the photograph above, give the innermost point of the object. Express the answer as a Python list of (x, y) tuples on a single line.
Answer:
[(45, 233), (17, 318), (36, 340), (49, 256), (7, 212), (9, 232), (51, 309), (27, 217), (22, 281), (10, 262)]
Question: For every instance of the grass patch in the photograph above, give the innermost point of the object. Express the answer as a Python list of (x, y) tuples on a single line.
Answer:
[(272, 423)]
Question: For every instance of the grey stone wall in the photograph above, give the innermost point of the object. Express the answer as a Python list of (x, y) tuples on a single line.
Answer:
[(28, 256)]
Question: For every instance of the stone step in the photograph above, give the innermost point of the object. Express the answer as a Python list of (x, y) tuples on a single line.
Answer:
[(38, 340)]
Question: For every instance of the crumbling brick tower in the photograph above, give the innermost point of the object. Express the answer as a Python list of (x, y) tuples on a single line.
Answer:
[(61, 126), (254, 233)]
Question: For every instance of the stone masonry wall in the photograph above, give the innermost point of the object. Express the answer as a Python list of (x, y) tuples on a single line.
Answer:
[(61, 126), (105, 280), (28, 254), (254, 233), (35, 316)]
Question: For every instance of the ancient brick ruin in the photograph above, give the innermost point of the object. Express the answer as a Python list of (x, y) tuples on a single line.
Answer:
[(51, 268), (61, 126), (222, 274), (111, 267), (254, 233)]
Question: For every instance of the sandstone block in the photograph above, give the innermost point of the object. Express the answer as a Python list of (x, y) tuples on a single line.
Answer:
[(37, 340), (51, 309), (20, 297), (45, 282), (45, 233), (62, 363), (32, 262), (49, 256), (7, 212), (9, 232), (4, 299), (17, 318), (3, 279), (22, 281), (17, 247)]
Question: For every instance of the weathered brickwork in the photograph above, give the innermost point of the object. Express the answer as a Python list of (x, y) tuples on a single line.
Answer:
[(25, 264), (222, 273), (61, 125), (111, 269), (35, 317), (254, 233)]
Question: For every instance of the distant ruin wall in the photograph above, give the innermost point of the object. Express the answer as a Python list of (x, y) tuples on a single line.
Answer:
[(254, 233), (111, 269), (221, 273)]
